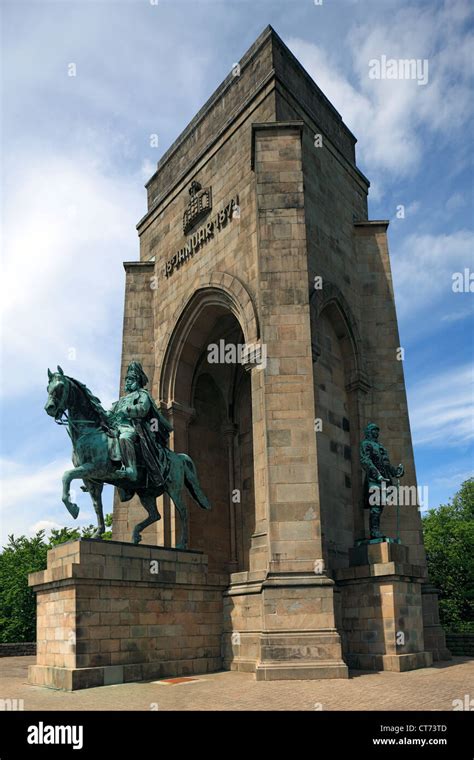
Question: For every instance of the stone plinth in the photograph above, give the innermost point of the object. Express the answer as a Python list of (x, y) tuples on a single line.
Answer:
[(382, 609), (435, 637), (378, 553), (111, 612), (282, 627)]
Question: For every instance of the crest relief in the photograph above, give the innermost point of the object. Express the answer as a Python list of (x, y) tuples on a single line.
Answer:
[(198, 207)]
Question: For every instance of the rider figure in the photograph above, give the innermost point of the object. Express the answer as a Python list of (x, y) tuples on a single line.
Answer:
[(135, 405)]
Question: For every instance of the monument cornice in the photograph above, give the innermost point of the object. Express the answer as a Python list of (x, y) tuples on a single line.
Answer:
[(230, 127), (272, 75), (372, 223), (267, 34), (130, 266)]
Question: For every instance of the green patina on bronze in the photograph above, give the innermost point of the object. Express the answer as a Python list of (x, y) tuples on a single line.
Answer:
[(378, 471), (126, 447)]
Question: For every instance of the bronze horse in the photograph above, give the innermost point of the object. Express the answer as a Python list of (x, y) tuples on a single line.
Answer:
[(72, 404)]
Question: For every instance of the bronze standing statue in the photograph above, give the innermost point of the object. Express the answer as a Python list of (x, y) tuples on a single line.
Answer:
[(126, 447), (378, 470)]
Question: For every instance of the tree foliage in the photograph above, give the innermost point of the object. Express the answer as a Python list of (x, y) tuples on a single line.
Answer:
[(18, 558), (449, 543)]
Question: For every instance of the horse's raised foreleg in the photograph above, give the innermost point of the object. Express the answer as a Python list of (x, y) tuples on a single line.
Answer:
[(70, 475), (95, 490), (149, 503)]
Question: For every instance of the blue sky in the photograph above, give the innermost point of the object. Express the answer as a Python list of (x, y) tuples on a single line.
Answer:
[(76, 153)]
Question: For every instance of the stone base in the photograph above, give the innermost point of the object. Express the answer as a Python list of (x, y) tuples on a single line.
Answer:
[(435, 638), (435, 642), (377, 551), (381, 609), (111, 612), (394, 662), (300, 656), (300, 671), (72, 679), (282, 628)]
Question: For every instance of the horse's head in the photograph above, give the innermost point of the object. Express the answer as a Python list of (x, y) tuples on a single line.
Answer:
[(58, 391)]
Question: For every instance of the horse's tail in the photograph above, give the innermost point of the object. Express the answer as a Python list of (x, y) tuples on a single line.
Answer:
[(192, 482)]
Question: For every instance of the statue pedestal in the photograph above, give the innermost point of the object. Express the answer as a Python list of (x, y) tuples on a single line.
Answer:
[(381, 540), (382, 609), (111, 612)]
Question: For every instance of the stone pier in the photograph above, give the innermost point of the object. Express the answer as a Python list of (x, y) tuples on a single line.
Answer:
[(111, 612)]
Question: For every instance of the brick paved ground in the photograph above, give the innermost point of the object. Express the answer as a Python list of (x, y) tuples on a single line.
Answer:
[(426, 689)]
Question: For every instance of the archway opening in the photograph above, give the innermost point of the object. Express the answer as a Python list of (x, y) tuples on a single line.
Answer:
[(337, 434), (210, 401)]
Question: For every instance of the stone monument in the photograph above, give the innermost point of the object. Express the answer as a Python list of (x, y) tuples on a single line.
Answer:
[(262, 310)]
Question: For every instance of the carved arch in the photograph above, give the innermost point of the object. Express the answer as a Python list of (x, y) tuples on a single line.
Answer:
[(223, 294), (331, 300)]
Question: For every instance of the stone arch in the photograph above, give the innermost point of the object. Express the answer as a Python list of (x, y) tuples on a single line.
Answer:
[(339, 375), (218, 291), (332, 301), (210, 418)]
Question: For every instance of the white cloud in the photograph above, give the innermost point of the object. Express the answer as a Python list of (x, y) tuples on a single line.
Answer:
[(23, 484), (413, 208), (63, 278), (28, 492), (147, 169), (46, 525), (423, 266), (455, 202), (388, 115), (443, 408), (454, 479), (457, 316)]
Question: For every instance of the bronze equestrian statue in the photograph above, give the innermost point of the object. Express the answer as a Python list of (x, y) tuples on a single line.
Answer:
[(126, 447)]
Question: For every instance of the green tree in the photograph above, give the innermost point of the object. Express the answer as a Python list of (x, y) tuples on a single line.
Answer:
[(61, 535), (449, 543), (18, 558), (17, 601)]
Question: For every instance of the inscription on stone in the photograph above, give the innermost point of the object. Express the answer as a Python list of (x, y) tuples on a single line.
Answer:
[(202, 236)]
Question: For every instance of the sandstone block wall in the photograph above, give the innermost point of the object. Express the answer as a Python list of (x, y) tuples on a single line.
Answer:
[(110, 612)]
